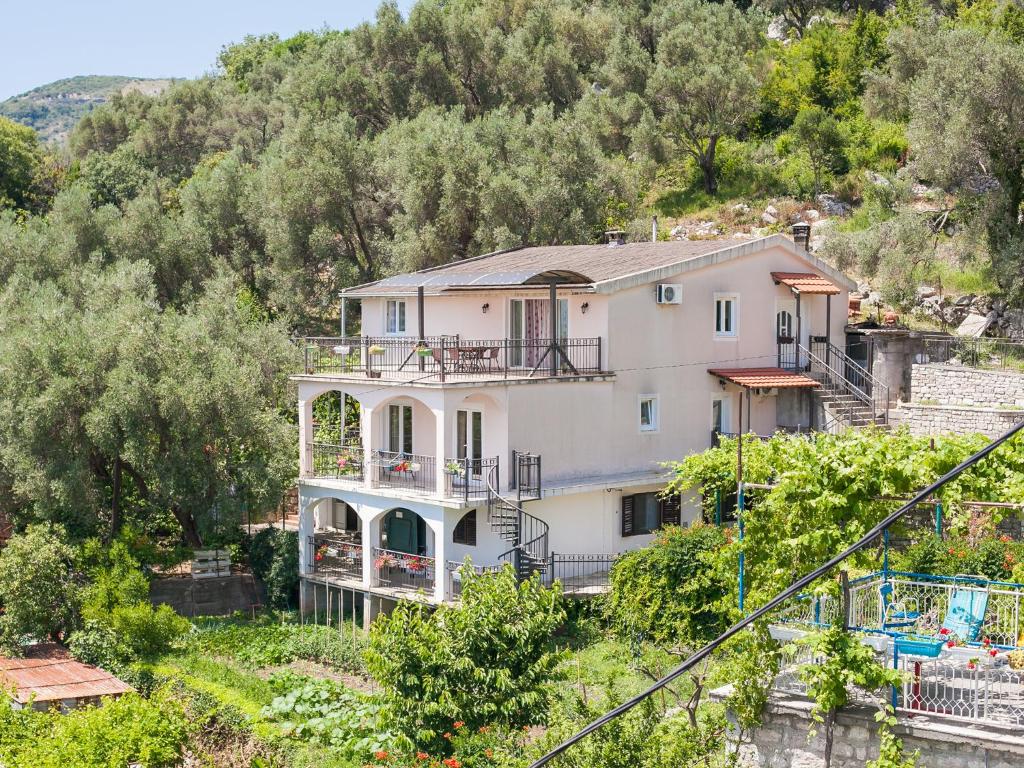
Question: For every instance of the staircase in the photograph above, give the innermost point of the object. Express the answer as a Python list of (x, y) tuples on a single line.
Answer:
[(849, 393), (527, 535)]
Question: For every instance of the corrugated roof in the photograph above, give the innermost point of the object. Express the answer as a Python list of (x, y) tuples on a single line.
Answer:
[(763, 378), (48, 674), (806, 282), (580, 264)]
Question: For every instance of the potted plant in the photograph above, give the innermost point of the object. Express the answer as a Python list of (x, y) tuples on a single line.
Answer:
[(416, 565), (385, 560), (376, 350), (423, 350), (321, 552), (454, 467)]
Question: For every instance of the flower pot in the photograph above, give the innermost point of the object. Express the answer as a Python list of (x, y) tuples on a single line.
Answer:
[(784, 634), (373, 374), (424, 352)]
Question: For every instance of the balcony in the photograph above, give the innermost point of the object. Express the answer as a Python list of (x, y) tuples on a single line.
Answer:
[(336, 555), (450, 358), (403, 572)]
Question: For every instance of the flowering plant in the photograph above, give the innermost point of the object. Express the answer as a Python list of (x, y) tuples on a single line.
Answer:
[(376, 349), (321, 552), (453, 467), (385, 560)]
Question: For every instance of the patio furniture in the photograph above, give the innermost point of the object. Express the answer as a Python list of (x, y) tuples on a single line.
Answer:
[(966, 612), (896, 613)]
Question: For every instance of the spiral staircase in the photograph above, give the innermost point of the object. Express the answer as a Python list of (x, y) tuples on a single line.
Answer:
[(527, 535)]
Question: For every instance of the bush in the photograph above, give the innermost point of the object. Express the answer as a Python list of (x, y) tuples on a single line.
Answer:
[(99, 645), (147, 632), (39, 595), (123, 731), (274, 558), (487, 660)]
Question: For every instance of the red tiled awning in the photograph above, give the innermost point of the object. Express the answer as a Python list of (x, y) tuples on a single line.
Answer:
[(53, 676), (806, 282), (763, 378)]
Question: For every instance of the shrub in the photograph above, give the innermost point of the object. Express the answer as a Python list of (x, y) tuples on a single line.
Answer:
[(99, 645), (487, 660), (38, 590), (274, 558), (146, 631)]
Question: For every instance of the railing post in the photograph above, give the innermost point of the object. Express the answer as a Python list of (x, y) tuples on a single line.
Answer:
[(600, 366), (844, 581), (443, 356)]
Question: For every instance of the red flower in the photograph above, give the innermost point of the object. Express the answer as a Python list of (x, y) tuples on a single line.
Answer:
[(952, 551), (1005, 539), (488, 752), (447, 736), (971, 665), (944, 631), (380, 754), (422, 756), (485, 728), (986, 641), (951, 644), (993, 653), (458, 723), (451, 762)]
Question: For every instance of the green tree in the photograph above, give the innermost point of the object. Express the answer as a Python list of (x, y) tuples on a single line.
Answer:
[(704, 85), (20, 156), (486, 660), (39, 592), (821, 138)]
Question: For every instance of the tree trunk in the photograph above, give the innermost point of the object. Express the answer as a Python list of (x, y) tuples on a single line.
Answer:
[(115, 500), (188, 526), (830, 726), (707, 167)]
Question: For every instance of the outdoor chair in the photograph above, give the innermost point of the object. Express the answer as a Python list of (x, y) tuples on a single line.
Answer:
[(897, 614), (966, 613)]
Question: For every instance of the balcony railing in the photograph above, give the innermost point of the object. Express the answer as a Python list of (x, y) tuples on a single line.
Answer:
[(336, 555), (403, 571), (412, 471), (457, 573), (450, 356), (467, 478), (580, 574), (993, 354), (336, 460)]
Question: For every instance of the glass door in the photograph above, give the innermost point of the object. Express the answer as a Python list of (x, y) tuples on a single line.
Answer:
[(469, 436), (400, 429), (530, 327)]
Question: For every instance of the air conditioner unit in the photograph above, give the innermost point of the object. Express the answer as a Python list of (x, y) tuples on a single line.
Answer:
[(670, 293)]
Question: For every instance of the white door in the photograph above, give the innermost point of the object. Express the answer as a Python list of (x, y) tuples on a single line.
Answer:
[(469, 438)]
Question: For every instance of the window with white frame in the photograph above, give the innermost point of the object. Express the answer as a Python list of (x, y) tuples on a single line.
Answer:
[(648, 413), (394, 321), (726, 314)]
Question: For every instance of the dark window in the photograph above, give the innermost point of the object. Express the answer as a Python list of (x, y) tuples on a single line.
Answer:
[(647, 512), (465, 529)]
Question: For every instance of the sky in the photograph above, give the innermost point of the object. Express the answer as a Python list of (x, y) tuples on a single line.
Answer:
[(46, 40)]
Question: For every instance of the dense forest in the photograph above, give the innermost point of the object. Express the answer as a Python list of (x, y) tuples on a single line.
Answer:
[(152, 272)]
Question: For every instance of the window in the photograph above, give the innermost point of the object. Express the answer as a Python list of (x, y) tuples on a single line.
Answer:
[(648, 413), (726, 319), (395, 317), (784, 324), (647, 512), (400, 428), (718, 416), (465, 530)]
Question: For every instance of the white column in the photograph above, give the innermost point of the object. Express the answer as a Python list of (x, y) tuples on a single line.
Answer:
[(366, 430), (440, 541), (306, 505), (305, 437), (371, 535), (441, 430)]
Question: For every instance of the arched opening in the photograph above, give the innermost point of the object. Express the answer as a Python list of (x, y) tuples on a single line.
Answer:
[(784, 325), (402, 530), (405, 558), (335, 443), (465, 530)]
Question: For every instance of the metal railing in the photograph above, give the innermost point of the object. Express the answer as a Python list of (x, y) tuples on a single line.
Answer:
[(457, 573), (859, 376), (963, 685), (580, 574), (336, 555), (403, 571), (335, 460), (412, 471), (991, 354), (834, 381), (467, 478), (443, 356)]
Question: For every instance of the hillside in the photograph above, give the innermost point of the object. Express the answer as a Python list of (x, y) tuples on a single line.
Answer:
[(54, 108)]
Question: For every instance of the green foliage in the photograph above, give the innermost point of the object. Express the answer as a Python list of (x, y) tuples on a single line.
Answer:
[(150, 732), (270, 644), (274, 557), (484, 661), (328, 714), (991, 557), (19, 158), (819, 134), (675, 592), (39, 590)]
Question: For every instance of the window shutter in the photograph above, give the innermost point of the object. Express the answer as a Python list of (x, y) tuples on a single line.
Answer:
[(671, 509), (627, 515)]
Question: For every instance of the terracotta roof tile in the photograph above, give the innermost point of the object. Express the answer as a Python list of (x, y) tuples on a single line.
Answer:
[(763, 378), (806, 282)]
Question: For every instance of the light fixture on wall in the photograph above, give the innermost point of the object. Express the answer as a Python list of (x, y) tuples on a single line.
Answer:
[(584, 307), (484, 308)]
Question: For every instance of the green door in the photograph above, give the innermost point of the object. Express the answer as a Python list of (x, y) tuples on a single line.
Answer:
[(402, 531)]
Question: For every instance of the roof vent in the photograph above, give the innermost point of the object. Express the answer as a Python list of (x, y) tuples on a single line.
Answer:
[(615, 237)]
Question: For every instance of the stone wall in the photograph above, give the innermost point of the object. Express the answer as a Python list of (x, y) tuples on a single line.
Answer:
[(947, 384), (926, 420), (782, 741)]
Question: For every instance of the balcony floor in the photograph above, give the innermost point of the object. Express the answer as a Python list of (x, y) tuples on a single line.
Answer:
[(432, 380)]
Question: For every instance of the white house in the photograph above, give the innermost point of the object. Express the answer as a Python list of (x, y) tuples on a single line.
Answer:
[(519, 406)]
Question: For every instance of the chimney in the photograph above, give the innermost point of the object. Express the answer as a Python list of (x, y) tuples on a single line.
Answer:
[(654, 229), (802, 235), (615, 237)]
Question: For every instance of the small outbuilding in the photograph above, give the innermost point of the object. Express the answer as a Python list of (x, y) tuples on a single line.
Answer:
[(47, 677)]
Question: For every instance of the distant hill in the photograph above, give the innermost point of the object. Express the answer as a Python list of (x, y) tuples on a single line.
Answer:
[(53, 109)]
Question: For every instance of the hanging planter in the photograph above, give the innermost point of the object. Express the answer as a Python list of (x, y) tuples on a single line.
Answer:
[(376, 350), (424, 351)]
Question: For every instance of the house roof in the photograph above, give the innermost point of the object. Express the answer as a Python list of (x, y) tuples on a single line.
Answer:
[(48, 674), (600, 268), (806, 282), (763, 378)]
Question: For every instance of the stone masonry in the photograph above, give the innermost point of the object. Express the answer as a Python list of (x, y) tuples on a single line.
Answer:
[(954, 398), (782, 740)]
